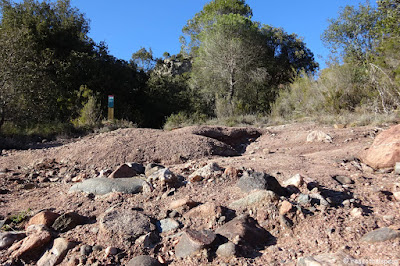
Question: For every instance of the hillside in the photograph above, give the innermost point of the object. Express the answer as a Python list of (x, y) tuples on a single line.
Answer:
[(211, 217)]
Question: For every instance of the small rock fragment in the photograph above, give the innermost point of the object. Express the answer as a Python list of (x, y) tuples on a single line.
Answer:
[(68, 221), (192, 241), (46, 218), (57, 253), (296, 181), (257, 180), (381, 235), (318, 136), (226, 250), (8, 238), (285, 207), (255, 198), (143, 260), (167, 225), (181, 203), (356, 212)]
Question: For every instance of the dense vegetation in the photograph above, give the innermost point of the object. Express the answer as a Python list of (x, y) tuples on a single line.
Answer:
[(362, 81), (53, 73)]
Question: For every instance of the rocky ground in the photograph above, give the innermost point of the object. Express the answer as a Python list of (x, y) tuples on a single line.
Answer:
[(294, 194)]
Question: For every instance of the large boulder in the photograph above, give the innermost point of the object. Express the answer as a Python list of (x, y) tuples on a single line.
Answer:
[(102, 186), (385, 150)]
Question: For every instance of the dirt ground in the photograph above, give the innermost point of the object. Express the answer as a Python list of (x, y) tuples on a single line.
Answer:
[(38, 179)]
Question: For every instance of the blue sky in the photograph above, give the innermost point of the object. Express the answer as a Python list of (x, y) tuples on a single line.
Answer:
[(128, 25)]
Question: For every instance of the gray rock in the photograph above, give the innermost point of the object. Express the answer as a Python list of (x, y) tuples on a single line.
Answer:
[(338, 259), (164, 175), (397, 168), (143, 260), (303, 199), (226, 250), (257, 180), (192, 241), (318, 136), (8, 238), (85, 250), (121, 222), (167, 225), (151, 168), (343, 180), (102, 186), (381, 235), (68, 221), (57, 253), (255, 198)]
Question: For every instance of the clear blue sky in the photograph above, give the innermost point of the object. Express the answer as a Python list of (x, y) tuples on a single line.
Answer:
[(128, 25)]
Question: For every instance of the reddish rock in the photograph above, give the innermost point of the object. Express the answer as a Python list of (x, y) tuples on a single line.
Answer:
[(38, 237), (385, 150), (182, 203), (46, 218), (56, 254), (285, 207), (205, 210), (123, 171), (231, 172)]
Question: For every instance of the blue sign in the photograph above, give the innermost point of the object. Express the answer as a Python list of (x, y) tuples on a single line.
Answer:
[(110, 101)]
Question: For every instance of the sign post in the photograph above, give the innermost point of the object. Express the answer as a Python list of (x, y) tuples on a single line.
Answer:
[(110, 107)]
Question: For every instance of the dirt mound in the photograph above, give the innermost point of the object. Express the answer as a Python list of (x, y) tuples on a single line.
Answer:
[(145, 145)]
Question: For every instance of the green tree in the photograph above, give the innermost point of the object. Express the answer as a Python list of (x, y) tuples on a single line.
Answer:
[(353, 33), (211, 11), (144, 59), (228, 58)]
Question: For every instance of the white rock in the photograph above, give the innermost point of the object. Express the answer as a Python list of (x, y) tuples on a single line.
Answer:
[(318, 136), (296, 181)]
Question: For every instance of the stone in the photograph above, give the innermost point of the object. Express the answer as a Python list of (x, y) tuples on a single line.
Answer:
[(181, 203), (164, 175), (167, 225), (381, 235), (152, 168), (303, 199), (38, 236), (206, 210), (255, 198), (385, 150), (85, 250), (244, 229), (110, 251), (258, 180), (102, 186), (123, 223), (209, 171), (226, 250), (343, 180), (318, 136), (143, 260), (192, 241), (46, 218), (231, 172), (123, 171), (296, 181), (396, 195), (356, 212), (57, 253), (285, 207), (330, 259), (397, 168), (8, 238), (68, 221)]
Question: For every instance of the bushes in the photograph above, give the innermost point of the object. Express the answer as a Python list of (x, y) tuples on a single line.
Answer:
[(347, 92)]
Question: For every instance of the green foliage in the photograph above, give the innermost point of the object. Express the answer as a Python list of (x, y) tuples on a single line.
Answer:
[(183, 119), (143, 59), (90, 113), (207, 17), (353, 32), (14, 221)]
